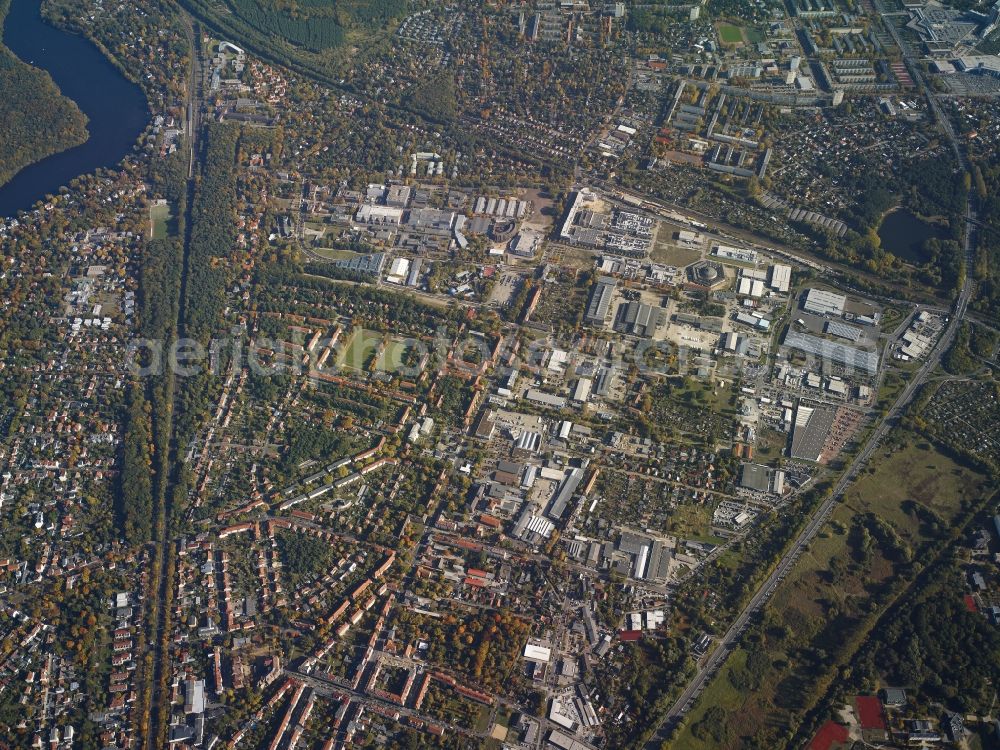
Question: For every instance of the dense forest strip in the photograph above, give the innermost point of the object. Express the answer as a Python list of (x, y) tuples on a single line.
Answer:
[(304, 27), (164, 311), (145, 475), (191, 304), (213, 236), (38, 120)]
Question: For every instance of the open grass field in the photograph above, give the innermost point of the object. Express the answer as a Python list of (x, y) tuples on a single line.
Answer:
[(915, 478), (367, 348), (904, 508), (392, 355), (667, 252), (159, 220), (770, 444), (729, 34), (671, 255), (691, 521), (358, 350), (720, 693), (331, 253)]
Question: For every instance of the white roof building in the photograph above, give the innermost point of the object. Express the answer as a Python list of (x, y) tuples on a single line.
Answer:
[(536, 653), (781, 277), (824, 302)]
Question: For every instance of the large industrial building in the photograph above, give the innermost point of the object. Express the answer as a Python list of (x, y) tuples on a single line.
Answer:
[(843, 330), (812, 426), (637, 319), (649, 556), (824, 302), (830, 351), (781, 278), (600, 301), (762, 479)]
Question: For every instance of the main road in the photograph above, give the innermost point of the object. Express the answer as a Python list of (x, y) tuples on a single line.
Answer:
[(728, 641)]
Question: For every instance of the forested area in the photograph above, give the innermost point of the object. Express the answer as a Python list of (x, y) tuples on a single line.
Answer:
[(309, 31), (309, 27), (654, 19), (145, 456), (435, 98), (135, 493), (986, 267), (938, 648), (38, 120), (304, 555), (485, 646), (213, 233), (312, 441), (928, 188), (212, 237), (147, 439)]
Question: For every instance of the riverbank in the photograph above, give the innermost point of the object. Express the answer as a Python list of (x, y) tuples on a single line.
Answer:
[(111, 110), (38, 120)]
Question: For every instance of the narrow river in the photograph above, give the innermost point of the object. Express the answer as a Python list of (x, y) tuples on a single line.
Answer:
[(115, 107)]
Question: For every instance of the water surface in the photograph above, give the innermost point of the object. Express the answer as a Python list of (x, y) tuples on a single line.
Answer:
[(903, 234), (115, 107)]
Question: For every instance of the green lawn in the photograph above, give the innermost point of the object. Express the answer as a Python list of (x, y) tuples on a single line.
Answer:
[(392, 355), (358, 351), (730, 34), (159, 217)]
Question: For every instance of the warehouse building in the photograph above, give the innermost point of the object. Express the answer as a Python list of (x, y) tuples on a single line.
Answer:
[(829, 351), (755, 477), (781, 278), (812, 426), (843, 330), (637, 319), (600, 301), (824, 302)]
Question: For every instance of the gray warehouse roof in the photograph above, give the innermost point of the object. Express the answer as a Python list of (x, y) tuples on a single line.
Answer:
[(842, 330), (637, 318), (565, 493), (755, 477), (823, 302), (600, 300), (848, 356)]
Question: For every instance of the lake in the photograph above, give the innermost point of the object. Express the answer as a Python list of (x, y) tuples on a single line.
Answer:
[(903, 234), (115, 107)]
